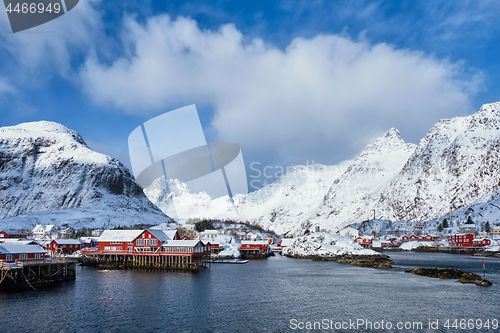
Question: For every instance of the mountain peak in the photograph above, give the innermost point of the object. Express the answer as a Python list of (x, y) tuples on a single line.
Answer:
[(392, 133), (41, 129)]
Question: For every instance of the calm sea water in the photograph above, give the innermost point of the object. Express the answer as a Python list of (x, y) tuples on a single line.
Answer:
[(274, 295)]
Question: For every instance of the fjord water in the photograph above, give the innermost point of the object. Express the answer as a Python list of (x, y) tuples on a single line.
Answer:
[(261, 296)]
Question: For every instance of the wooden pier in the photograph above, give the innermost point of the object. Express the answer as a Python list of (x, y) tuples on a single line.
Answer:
[(158, 260), (36, 274)]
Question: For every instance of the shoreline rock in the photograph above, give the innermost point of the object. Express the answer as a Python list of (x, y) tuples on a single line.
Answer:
[(447, 273), (375, 261)]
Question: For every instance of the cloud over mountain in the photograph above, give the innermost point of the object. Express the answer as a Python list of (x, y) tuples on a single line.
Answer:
[(327, 93)]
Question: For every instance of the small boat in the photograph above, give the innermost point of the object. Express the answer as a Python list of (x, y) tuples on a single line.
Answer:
[(231, 261)]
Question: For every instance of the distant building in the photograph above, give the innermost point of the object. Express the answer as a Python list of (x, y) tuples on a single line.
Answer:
[(254, 247), (467, 229), (364, 241), (66, 246), (462, 240), (495, 231), (10, 233), (349, 232), (284, 242), (481, 242)]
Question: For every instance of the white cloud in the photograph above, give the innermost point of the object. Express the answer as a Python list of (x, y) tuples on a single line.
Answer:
[(6, 87), (322, 98), (46, 50)]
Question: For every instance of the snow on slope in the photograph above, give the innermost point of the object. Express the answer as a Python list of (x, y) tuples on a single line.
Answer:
[(349, 198), (294, 193), (46, 167), (455, 165)]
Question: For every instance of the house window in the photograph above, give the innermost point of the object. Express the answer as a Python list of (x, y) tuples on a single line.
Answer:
[(9, 257), (37, 255), (130, 248), (23, 256), (139, 242), (154, 242)]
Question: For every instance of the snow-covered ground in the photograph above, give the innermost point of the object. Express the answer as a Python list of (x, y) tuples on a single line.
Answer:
[(324, 244), (408, 246)]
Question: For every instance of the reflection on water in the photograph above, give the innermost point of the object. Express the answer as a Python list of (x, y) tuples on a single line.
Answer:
[(261, 296)]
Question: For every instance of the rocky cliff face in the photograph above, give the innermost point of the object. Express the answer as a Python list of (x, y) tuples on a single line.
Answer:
[(45, 166)]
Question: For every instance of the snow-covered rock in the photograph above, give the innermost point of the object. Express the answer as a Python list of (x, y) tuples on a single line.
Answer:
[(324, 244), (47, 169)]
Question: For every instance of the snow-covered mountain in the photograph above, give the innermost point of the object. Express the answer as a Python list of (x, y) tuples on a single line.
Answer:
[(349, 198), (46, 167), (454, 166), (296, 192)]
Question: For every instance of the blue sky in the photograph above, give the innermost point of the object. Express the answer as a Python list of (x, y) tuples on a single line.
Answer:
[(291, 82)]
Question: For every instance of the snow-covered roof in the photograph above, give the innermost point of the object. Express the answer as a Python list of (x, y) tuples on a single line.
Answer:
[(170, 233), (119, 235), (17, 248), (18, 241), (160, 234), (182, 243), (63, 241), (286, 241), (88, 239), (259, 242), (210, 232)]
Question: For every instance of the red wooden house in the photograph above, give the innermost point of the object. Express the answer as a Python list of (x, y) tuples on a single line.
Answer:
[(10, 252), (13, 234), (196, 248), (481, 242), (462, 240), (363, 240), (395, 243), (413, 238), (254, 247), (123, 241), (405, 238), (65, 245)]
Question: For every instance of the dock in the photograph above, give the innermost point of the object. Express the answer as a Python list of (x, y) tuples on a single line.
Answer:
[(155, 260), (36, 274)]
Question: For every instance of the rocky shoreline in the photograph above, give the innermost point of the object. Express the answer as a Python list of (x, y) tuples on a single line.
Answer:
[(376, 261), (446, 273)]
